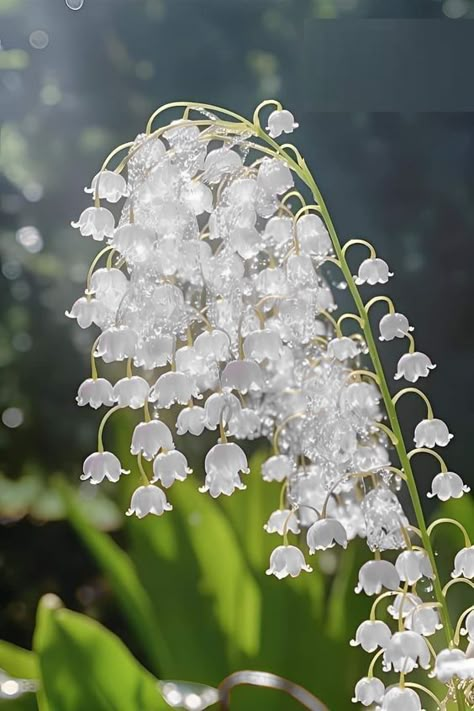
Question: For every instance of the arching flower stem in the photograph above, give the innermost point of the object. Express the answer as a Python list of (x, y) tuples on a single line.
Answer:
[(429, 409), (100, 444), (459, 525)]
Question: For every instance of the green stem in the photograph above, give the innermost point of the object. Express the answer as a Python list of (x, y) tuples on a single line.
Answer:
[(391, 412)]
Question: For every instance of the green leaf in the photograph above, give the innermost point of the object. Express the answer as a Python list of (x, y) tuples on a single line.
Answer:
[(17, 661), (136, 605), (84, 666), (20, 664)]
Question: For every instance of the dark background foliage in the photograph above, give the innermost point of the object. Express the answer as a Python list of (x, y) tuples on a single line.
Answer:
[(402, 179)]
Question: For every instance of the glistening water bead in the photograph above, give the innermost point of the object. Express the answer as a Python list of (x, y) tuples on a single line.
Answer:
[(213, 289)]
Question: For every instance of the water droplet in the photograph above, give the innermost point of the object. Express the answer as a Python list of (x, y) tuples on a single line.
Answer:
[(39, 39), (74, 4), (12, 417)]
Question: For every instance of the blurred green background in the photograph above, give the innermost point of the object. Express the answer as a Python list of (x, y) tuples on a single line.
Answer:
[(190, 598)]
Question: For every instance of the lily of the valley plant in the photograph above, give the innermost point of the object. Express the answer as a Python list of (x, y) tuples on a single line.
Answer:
[(212, 290)]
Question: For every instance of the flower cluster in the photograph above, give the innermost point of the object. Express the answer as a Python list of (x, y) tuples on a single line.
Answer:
[(215, 294)]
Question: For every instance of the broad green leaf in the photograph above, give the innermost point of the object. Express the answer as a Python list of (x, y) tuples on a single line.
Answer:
[(84, 666), (20, 664), (224, 571), (136, 605), (17, 661)]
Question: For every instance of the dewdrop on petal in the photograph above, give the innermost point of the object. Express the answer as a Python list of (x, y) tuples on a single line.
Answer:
[(282, 521), (375, 575), (400, 699), (464, 563), (448, 485), (372, 634), (95, 222), (325, 534), (108, 185), (394, 326), (149, 437), (287, 560), (148, 500), (373, 271), (102, 465), (432, 433), (412, 366), (169, 467), (281, 121), (368, 691), (95, 392)]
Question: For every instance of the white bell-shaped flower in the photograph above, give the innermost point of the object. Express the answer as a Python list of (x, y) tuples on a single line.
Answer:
[(131, 392), (281, 121), (312, 235), (222, 465), (154, 352), (368, 691), (282, 521), (213, 345), (399, 698), (325, 534), (274, 176), (448, 485), (375, 575), (149, 437), (342, 348), (115, 344), (148, 500), (134, 242), (198, 197), (173, 387), (468, 628), (220, 162), (262, 344), (464, 563), (432, 433), (108, 185), (373, 271), (109, 286), (242, 375), (169, 467), (87, 311), (412, 366), (423, 620), (394, 326), (192, 420), (287, 560), (413, 565), (372, 634), (245, 424), (95, 392), (403, 604), (300, 271), (95, 222), (277, 468), (405, 651), (278, 231), (449, 663), (220, 408), (102, 465)]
